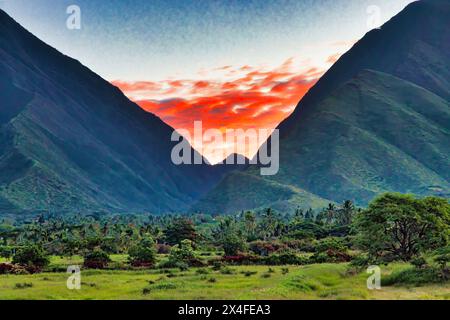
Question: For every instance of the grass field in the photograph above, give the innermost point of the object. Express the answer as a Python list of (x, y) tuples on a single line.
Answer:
[(324, 281)]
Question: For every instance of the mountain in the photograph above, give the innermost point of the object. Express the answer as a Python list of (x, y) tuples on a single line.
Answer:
[(377, 121), (70, 141)]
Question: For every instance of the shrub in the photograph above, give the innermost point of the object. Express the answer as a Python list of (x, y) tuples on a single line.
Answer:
[(284, 270), (202, 271), (233, 244), (227, 271), (305, 245), (33, 258), (6, 252), (146, 291), (241, 259), (249, 273), (143, 254), (96, 259), (216, 264), (9, 268), (163, 248), (23, 285), (360, 261), (264, 248), (442, 260), (183, 254), (285, 257), (419, 262), (413, 277), (331, 250)]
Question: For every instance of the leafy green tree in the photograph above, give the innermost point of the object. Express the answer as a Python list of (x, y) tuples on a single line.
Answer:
[(96, 259), (346, 213), (31, 256), (180, 229), (309, 215), (233, 243), (397, 226), (183, 254), (250, 226), (143, 253)]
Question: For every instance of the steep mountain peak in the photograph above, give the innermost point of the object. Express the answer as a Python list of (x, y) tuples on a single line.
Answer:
[(421, 30), (70, 141), (377, 121)]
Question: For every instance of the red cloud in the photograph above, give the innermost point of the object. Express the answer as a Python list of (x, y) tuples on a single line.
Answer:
[(256, 99)]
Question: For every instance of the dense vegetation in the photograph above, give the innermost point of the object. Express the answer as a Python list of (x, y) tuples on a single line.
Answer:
[(394, 227)]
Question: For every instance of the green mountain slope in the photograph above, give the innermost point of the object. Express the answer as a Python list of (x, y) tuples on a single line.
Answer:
[(70, 141), (378, 121)]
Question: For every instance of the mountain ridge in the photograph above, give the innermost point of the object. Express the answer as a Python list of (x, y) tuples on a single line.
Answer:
[(377, 121), (73, 142)]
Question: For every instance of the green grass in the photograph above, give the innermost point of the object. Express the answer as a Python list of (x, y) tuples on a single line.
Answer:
[(325, 281)]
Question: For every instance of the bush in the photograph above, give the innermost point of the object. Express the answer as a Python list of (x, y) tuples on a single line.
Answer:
[(249, 273), (143, 254), (183, 254), (227, 271), (330, 250), (360, 261), (23, 285), (241, 259), (9, 268), (419, 262), (285, 257), (33, 258), (216, 264), (233, 244), (443, 260), (96, 259), (264, 248), (163, 248), (6, 252), (305, 245), (202, 271), (414, 277)]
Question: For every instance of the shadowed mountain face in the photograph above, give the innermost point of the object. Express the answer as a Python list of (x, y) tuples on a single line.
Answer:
[(71, 141), (378, 120)]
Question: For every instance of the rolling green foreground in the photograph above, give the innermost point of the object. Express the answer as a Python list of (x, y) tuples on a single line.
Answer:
[(324, 281)]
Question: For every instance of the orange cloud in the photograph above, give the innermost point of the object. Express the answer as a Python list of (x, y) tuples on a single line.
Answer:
[(254, 99)]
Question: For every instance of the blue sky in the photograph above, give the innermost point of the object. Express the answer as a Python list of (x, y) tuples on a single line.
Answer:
[(135, 40)]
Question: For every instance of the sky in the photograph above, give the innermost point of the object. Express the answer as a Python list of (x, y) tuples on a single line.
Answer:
[(230, 63)]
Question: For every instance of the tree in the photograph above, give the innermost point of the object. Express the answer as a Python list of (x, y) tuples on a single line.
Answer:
[(346, 213), (309, 215), (96, 259), (232, 244), (399, 226), (183, 255), (180, 229), (143, 253), (250, 225), (31, 256)]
